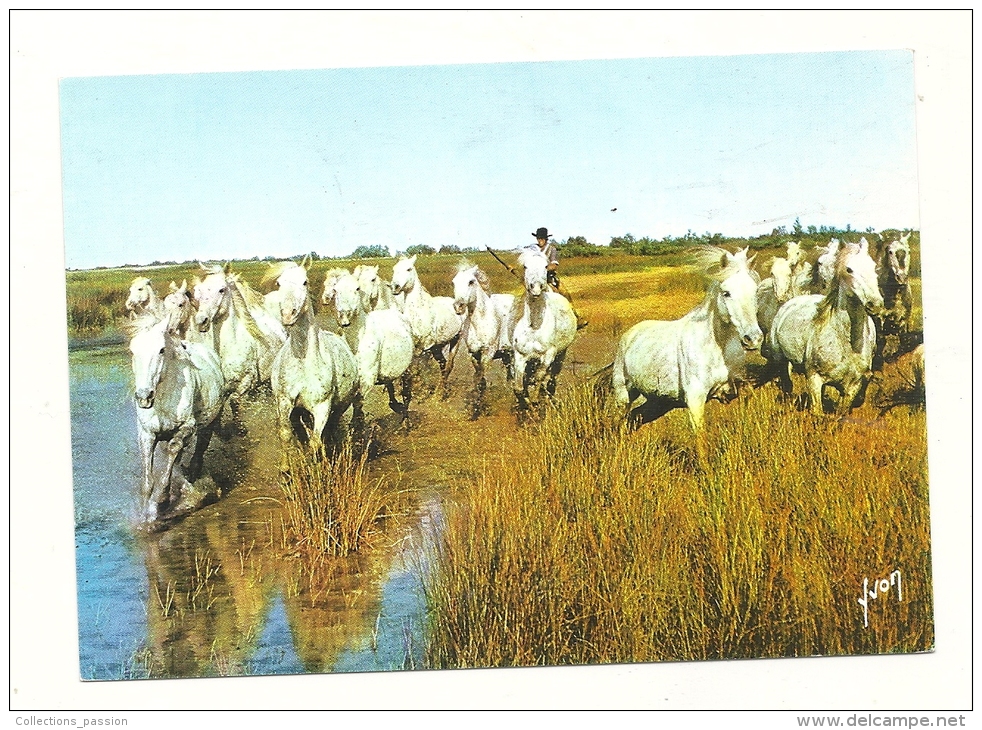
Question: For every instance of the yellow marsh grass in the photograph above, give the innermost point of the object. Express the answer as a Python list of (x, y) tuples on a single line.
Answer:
[(600, 545), (333, 505)]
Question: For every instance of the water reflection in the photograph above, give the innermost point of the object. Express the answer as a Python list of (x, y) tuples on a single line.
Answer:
[(221, 593)]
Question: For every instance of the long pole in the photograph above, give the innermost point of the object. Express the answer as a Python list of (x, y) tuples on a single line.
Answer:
[(511, 270)]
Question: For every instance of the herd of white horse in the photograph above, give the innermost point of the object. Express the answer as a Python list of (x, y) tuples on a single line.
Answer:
[(215, 341)]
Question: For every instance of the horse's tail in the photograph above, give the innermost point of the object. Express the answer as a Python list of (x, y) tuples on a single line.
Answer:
[(603, 384)]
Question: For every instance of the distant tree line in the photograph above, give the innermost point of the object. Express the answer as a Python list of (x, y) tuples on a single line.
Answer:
[(579, 246), (646, 246)]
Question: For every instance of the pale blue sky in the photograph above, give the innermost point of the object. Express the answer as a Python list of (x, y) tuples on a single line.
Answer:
[(219, 166)]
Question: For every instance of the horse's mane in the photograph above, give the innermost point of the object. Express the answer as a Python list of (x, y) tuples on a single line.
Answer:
[(709, 260), (251, 296), (482, 278), (275, 270), (528, 254), (139, 324), (831, 297)]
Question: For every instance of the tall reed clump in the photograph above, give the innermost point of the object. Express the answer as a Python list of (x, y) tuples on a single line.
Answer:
[(597, 544), (333, 504)]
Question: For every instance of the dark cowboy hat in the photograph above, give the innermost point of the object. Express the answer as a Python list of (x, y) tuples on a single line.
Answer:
[(542, 233)]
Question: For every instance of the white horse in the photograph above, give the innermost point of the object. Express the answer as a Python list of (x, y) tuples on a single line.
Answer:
[(830, 337), (243, 334), (143, 299), (893, 272), (772, 292), (801, 269), (314, 375), (542, 334), (824, 269), (487, 318), (687, 361), (381, 339), (377, 291), (179, 390), (179, 311), (434, 323)]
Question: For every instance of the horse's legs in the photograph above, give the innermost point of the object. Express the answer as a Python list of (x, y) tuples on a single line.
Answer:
[(554, 369), (519, 383), (786, 383), (480, 385), (445, 365), (148, 443), (394, 404), (815, 383), (321, 413), (174, 448), (406, 386), (358, 415), (332, 430), (284, 409), (853, 394), (696, 404), (196, 465)]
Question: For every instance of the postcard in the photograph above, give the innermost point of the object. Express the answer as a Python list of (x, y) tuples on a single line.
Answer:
[(523, 364)]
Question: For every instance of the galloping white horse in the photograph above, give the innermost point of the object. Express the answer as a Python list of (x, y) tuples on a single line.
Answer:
[(690, 360), (801, 269), (314, 375), (243, 334), (772, 292), (825, 267), (179, 311), (381, 339), (377, 291), (830, 337), (143, 299), (434, 323), (179, 393), (486, 320), (893, 273), (542, 335)]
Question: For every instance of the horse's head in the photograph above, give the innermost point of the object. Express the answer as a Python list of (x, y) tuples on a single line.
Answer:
[(466, 284), (178, 308), (855, 271), (534, 262), (211, 294), (826, 262), (150, 348), (781, 274), (736, 297), (140, 295), (370, 283), (293, 286), (347, 297), (896, 259), (404, 276), (794, 253)]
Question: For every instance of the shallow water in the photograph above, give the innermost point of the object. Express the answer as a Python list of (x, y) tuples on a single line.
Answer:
[(221, 593)]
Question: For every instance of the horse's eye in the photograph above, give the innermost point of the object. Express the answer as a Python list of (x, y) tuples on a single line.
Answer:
[(848, 269), (161, 350), (305, 282), (221, 291), (470, 282), (181, 304), (726, 294)]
